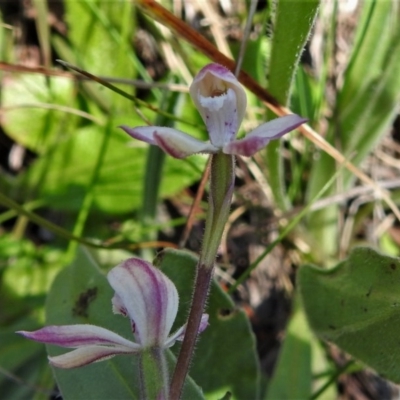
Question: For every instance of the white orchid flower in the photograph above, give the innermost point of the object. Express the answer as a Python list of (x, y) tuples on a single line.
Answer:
[(221, 102), (142, 293)]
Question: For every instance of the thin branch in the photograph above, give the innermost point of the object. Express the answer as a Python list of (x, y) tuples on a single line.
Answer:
[(246, 35)]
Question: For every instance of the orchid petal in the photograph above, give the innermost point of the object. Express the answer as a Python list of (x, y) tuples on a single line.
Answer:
[(174, 142), (277, 127), (149, 298), (214, 80), (180, 333), (220, 117), (118, 306), (87, 355), (143, 133), (262, 135), (78, 336), (180, 145)]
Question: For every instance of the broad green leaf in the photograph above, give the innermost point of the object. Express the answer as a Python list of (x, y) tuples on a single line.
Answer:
[(294, 363), (98, 37), (225, 358), (38, 110), (99, 41), (119, 184), (295, 17), (81, 294), (356, 306)]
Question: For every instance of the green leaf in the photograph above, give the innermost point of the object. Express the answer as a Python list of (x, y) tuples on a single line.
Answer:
[(100, 41), (376, 25), (371, 114), (64, 183), (37, 109), (368, 102), (225, 358), (98, 37), (294, 364), (290, 16), (81, 294), (356, 305), (286, 49)]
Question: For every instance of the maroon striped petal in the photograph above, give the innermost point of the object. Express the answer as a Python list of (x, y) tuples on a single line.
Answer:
[(180, 333), (174, 142), (262, 135), (180, 145), (149, 298), (79, 336)]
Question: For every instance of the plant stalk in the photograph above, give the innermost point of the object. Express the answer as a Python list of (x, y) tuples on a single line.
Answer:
[(222, 179), (153, 374), (200, 294)]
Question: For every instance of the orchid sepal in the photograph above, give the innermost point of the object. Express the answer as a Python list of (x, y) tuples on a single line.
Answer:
[(263, 134), (87, 355), (179, 334), (92, 343), (174, 142), (79, 335)]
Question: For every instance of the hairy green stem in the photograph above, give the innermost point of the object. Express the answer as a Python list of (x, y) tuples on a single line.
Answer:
[(222, 179), (153, 374)]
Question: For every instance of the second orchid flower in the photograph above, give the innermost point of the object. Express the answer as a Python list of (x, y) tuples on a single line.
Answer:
[(142, 293)]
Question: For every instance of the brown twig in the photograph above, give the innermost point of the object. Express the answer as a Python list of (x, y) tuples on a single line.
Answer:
[(196, 201)]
